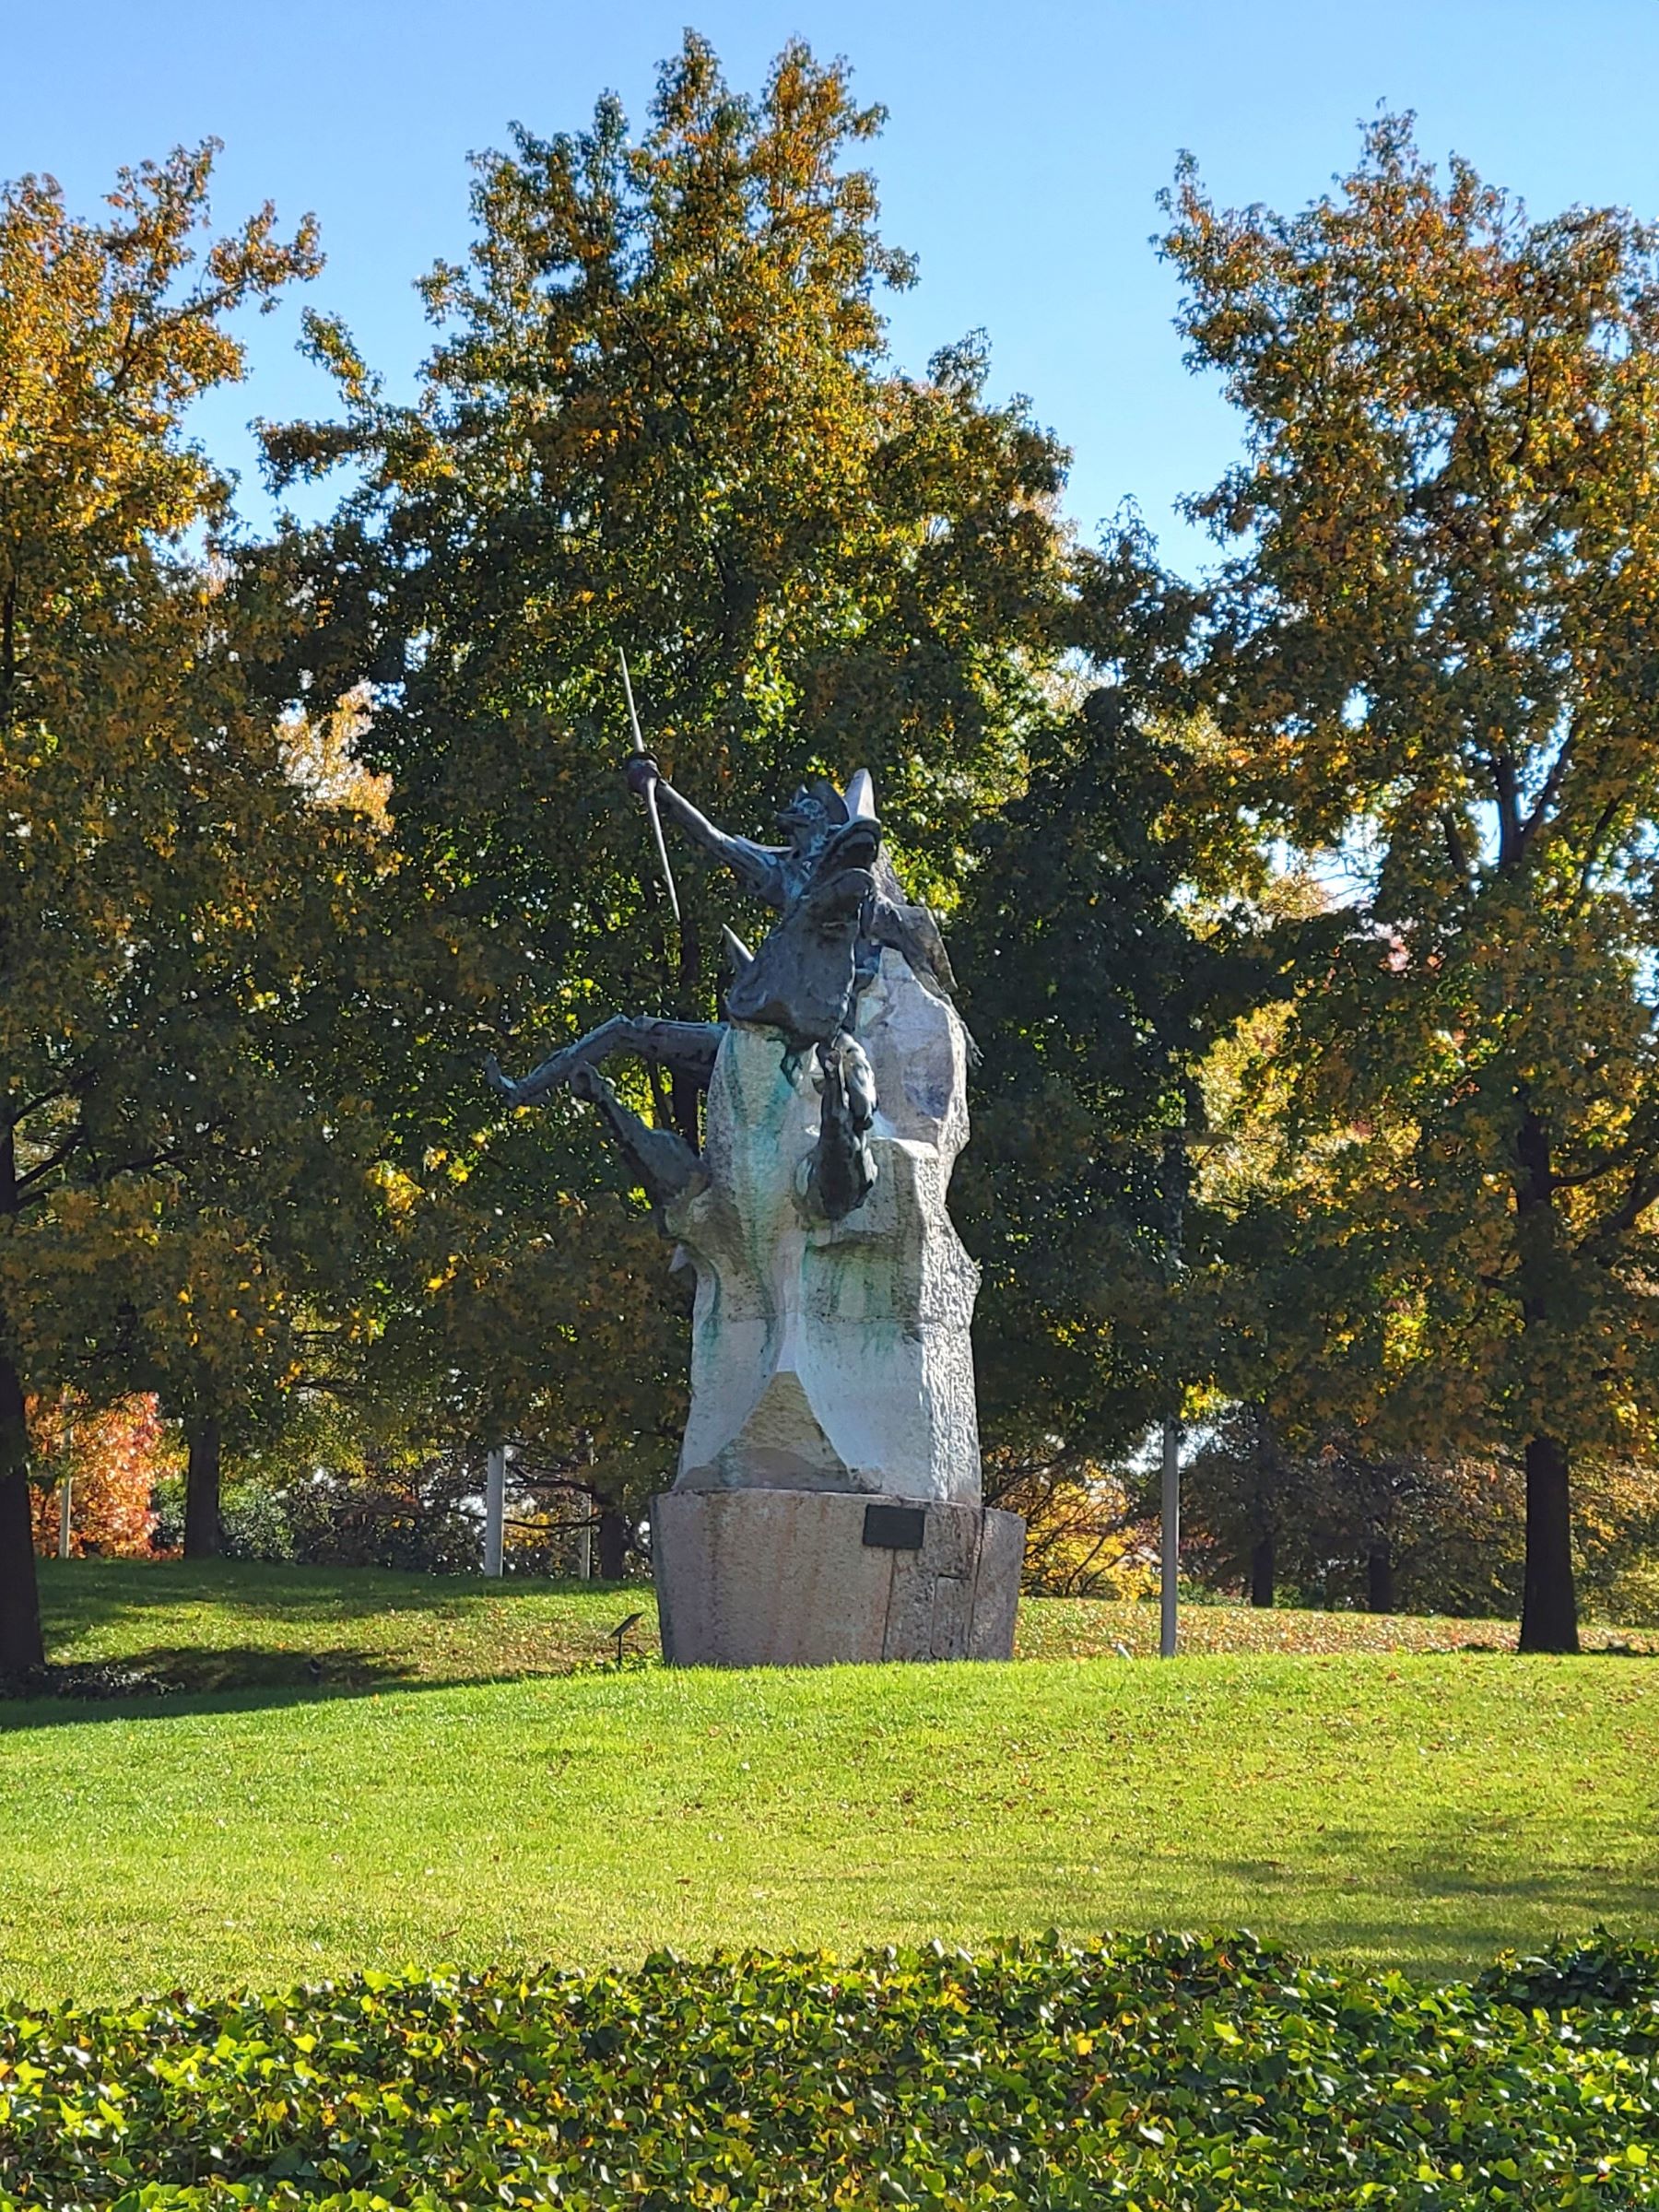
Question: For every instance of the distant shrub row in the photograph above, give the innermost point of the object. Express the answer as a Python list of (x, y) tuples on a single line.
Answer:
[(1163, 2073)]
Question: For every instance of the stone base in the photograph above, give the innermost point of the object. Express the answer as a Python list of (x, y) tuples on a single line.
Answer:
[(811, 1578)]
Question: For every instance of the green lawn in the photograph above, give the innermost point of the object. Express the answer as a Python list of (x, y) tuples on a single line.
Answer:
[(1410, 1807), (228, 1627)]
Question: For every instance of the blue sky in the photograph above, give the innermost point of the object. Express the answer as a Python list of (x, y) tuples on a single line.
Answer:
[(1025, 146)]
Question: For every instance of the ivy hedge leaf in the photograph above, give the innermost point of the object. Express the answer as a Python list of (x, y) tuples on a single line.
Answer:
[(1167, 2073)]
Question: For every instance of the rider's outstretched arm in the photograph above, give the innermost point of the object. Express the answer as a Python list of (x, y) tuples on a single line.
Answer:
[(756, 867)]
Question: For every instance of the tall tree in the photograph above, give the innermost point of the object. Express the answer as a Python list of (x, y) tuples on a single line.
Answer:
[(660, 417), (151, 830), (1116, 931), (1433, 638)]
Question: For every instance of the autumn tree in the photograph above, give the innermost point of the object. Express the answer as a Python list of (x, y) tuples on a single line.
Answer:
[(1115, 933), (660, 415), (109, 1458), (154, 953), (1434, 633)]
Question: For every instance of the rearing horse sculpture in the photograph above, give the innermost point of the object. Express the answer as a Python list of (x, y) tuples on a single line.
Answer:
[(841, 903), (827, 1504)]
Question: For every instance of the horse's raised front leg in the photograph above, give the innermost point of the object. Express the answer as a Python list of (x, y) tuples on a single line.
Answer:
[(684, 1048)]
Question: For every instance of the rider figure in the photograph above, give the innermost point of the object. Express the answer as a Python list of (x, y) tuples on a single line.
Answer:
[(777, 874), (815, 821)]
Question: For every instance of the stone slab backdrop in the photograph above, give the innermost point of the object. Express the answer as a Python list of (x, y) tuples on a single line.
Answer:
[(832, 1364)]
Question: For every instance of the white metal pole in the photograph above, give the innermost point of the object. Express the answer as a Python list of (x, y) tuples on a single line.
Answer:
[(584, 1535), (1175, 1181), (65, 1492), (1170, 1558), (495, 1507)]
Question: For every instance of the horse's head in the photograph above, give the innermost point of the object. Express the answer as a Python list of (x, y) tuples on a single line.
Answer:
[(815, 820)]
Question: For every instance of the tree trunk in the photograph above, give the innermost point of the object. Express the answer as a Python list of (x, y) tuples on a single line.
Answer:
[(20, 1641), (1262, 1561), (1548, 1601), (1379, 1580), (613, 1545), (21, 1646), (204, 1533)]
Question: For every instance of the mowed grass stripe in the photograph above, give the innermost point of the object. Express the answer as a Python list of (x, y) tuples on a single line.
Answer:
[(1421, 1811)]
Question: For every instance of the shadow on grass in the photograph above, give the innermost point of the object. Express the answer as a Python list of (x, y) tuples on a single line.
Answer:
[(167, 1683), (119, 1632), (1483, 1918), (110, 1591), (197, 1669), (1353, 1899), (1362, 1914)]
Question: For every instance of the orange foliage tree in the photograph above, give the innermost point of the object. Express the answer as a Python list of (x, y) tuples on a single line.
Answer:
[(113, 1456)]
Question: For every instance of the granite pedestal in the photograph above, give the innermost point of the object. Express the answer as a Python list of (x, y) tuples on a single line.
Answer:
[(807, 1578)]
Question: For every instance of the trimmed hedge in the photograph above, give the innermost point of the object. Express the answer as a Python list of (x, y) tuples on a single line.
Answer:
[(1161, 2073)]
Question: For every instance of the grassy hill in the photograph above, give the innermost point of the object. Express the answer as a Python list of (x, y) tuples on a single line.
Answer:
[(1415, 1807), (223, 1627)]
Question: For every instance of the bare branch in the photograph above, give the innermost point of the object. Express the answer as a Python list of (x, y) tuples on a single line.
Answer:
[(1643, 1192), (1457, 850), (1543, 810), (49, 1166), (1605, 821)]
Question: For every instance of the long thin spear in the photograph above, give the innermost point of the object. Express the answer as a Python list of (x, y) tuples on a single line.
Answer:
[(651, 802)]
